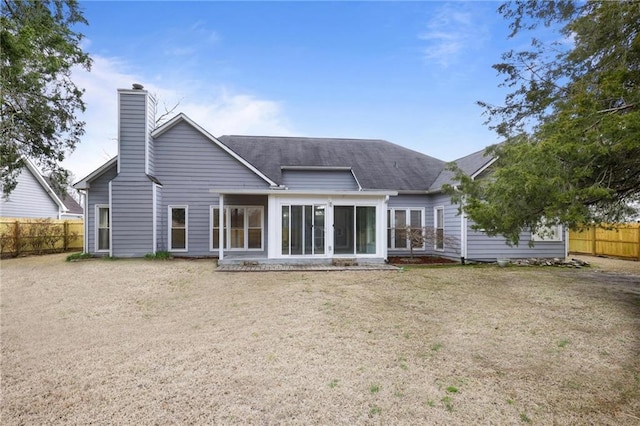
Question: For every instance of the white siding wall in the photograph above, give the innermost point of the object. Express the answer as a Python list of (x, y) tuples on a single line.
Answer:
[(28, 199)]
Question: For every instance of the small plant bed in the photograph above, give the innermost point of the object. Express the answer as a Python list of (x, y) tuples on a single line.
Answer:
[(420, 260)]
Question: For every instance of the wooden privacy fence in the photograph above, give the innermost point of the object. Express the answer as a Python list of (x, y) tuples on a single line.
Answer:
[(38, 236), (622, 240)]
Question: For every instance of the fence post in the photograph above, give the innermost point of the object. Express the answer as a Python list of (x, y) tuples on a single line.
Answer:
[(65, 241), (16, 238), (593, 240)]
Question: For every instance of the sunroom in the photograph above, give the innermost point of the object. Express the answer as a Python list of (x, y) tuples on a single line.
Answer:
[(302, 226)]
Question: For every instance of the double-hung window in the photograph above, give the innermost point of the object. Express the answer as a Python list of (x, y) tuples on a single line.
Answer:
[(178, 228), (103, 227), (547, 232), (242, 230), (438, 224), (401, 223), (215, 229)]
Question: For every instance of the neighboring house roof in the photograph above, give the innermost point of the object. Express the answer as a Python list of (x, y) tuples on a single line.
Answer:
[(71, 205), (34, 196), (376, 164), (472, 165), (45, 185)]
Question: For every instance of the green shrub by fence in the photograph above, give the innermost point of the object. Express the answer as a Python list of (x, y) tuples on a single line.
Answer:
[(38, 236)]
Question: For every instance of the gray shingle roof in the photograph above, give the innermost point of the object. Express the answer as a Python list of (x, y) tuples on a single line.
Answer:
[(377, 164), (469, 164), (72, 205)]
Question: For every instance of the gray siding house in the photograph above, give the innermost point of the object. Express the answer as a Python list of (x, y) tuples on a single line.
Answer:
[(177, 188), (34, 198)]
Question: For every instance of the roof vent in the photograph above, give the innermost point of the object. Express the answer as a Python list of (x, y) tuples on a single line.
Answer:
[(137, 86)]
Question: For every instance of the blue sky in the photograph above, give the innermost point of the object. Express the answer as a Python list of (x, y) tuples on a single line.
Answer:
[(407, 72)]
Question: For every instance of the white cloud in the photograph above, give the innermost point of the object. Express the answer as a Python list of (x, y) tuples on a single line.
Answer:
[(218, 109), (205, 33), (232, 113), (450, 33)]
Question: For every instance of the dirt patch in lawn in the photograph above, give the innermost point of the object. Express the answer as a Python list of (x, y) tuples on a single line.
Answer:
[(420, 260), (173, 342)]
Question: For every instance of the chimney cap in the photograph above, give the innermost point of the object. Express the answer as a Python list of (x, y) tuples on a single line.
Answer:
[(137, 86)]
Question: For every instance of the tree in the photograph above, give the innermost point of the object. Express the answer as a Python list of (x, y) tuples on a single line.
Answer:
[(38, 49), (420, 237), (571, 122)]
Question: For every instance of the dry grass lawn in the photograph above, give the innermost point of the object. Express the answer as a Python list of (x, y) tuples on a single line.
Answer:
[(152, 342)]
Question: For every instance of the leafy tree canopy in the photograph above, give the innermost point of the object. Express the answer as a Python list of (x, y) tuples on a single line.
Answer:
[(38, 49), (571, 121)]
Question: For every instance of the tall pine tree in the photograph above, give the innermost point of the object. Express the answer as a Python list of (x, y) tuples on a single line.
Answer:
[(571, 122)]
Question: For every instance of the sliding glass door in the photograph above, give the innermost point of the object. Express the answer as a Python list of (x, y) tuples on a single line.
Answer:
[(354, 229), (303, 230), (343, 229)]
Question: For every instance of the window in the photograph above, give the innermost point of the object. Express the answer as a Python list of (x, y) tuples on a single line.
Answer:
[(398, 220), (354, 229), (215, 234), (103, 227), (237, 228), (548, 233), (365, 230), (303, 230), (178, 223), (254, 228), (438, 218), (243, 228)]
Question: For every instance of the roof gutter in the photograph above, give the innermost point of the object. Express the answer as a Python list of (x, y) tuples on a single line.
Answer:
[(284, 190)]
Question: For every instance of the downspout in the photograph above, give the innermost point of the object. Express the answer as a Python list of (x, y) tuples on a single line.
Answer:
[(385, 219), (463, 234), (110, 220), (85, 218), (220, 227), (154, 213)]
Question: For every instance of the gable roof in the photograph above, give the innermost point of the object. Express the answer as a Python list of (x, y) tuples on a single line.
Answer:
[(183, 118), (376, 164), (43, 181), (472, 165), (83, 183), (71, 205)]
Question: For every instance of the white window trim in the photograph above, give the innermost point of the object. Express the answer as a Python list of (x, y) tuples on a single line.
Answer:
[(435, 227), (186, 228), (548, 234), (227, 224), (97, 228), (392, 222)]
